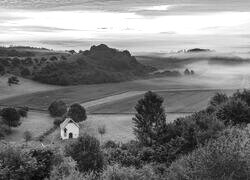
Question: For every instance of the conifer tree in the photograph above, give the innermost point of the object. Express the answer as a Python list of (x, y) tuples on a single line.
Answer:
[(150, 119)]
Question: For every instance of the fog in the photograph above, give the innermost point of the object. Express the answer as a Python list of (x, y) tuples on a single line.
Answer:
[(215, 75)]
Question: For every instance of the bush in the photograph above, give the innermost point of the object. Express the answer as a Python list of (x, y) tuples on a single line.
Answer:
[(58, 121), (11, 117), (25, 72), (225, 158), (110, 144), (124, 154), (16, 163), (87, 153), (122, 157), (44, 159), (27, 136), (57, 108), (23, 111), (234, 112), (216, 101), (4, 130), (117, 172), (16, 62), (244, 96), (2, 69), (53, 58), (13, 80), (183, 136), (77, 113)]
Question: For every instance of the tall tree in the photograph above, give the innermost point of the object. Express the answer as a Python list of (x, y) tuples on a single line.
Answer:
[(11, 117), (150, 119), (57, 108), (77, 112)]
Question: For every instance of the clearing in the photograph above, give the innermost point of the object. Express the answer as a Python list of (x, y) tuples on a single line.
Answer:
[(119, 127)]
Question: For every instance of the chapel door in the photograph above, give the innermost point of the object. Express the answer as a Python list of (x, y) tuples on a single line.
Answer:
[(70, 135)]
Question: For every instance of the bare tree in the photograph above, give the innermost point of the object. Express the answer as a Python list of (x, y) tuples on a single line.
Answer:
[(102, 131), (27, 136)]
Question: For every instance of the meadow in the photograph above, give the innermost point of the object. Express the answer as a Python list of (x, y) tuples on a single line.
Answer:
[(176, 101), (119, 127)]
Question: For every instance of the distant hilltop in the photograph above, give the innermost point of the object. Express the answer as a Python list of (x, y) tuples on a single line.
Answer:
[(194, 50), (198, 50), (99, 64)]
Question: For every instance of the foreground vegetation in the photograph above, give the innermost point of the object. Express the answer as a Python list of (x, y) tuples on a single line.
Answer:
[(210, 144)]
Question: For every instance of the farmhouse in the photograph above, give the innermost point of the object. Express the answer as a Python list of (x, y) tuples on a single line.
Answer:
[(69, 129)]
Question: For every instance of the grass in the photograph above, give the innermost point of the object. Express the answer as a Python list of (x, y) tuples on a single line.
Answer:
[(36, 123), (174, 102), (85, 93), (25, 87), (119, 128)]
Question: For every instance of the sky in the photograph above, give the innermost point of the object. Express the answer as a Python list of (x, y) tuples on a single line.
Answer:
[(136, 25)]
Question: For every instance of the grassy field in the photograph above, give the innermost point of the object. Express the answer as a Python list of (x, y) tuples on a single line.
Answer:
[(174, 102), (85, 93), (119, 128), (25, 87), (36, 123)]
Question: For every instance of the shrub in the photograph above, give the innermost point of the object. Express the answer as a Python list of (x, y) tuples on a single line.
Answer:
[(27, 136), (2, 69), (124, 154), (44, 158), (4, 130), (16, 163), (65, 169), (77, 112), (13, 80), (234, 112), (122, 157), (87, 153), (216, 101), (23, 111), (102, 131), (16, 62), (25, 72), (110, 144), (57, 108), (27, 61), (53, 58), (225, 158), (11, 117), (187, 72), (117, 172), (183, 136), (58, 121)]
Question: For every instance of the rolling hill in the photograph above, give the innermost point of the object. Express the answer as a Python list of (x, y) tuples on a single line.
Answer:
[(100, 64)]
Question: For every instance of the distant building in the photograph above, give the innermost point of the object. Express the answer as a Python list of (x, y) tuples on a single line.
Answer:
[(69, 129)]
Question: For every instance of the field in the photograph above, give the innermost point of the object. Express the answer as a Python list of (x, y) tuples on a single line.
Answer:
[(24, 87), (116, 112), (36, 123), (178, 101), (119, 127), (86, 93)]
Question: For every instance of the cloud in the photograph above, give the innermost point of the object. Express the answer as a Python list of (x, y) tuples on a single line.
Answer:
[(182, 6)]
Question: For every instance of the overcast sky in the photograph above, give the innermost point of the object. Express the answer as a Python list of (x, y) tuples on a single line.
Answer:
[(137, 25)]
